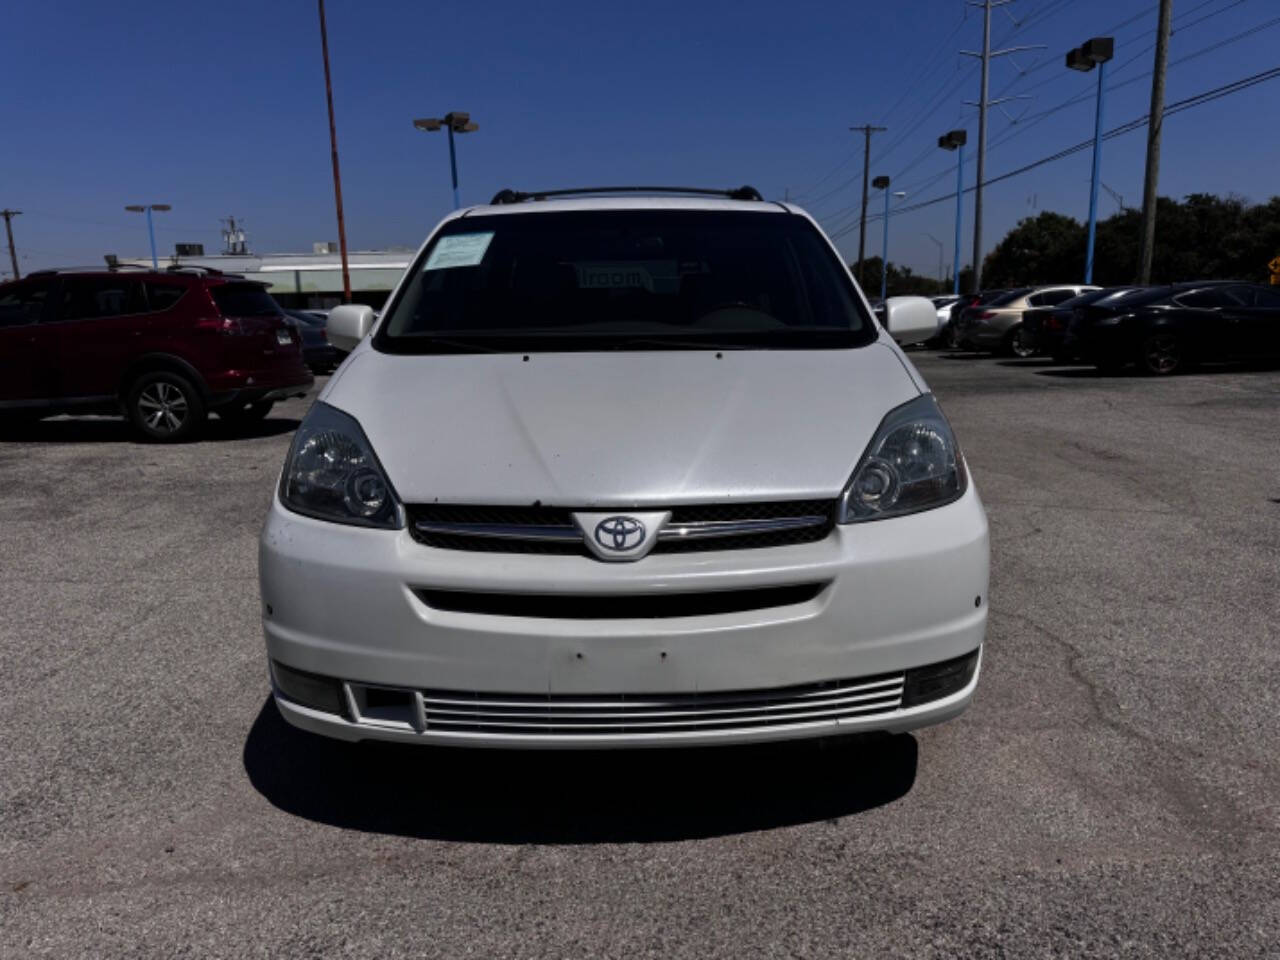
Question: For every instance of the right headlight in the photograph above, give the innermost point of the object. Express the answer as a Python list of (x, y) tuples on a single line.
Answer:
[(332, 473), (911, 464)]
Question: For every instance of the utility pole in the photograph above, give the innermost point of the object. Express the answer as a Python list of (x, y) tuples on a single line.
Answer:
[(333, 145), (867, 130), (982, 104), (8, 228), (1154, 126)]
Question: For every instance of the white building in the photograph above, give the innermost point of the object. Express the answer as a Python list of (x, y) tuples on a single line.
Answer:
[(308, 279)]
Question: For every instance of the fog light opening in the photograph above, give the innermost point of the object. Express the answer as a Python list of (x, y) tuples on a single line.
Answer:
[(938, 680), (308, 689)]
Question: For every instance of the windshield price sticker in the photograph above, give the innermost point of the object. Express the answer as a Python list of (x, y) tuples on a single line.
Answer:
[(459, 250)]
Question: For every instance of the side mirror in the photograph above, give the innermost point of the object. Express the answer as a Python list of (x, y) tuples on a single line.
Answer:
[(910, 319), (349, 324)]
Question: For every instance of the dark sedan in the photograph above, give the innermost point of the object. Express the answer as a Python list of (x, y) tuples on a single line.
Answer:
[(1045, 328), (320, 355), (1170, 328)]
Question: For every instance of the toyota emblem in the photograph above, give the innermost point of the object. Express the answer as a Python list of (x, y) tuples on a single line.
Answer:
[(619, 533)]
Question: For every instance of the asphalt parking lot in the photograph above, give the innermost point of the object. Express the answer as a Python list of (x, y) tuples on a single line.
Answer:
[(1115, 789)]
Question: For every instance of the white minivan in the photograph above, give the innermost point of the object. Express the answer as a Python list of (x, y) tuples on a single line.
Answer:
[(624, 467)]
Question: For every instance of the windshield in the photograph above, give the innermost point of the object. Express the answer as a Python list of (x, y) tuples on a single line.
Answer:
[(626, 279)]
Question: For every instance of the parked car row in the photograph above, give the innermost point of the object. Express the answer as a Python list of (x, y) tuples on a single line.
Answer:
[(1162, 329), (163, 347)]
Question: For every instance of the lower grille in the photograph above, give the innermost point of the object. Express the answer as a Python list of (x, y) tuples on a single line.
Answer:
[(517, 714), (629, 606)]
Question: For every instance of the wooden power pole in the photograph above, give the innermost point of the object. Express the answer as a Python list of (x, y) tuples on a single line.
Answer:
[(8, 229), (866, 130), (1154, 125), (333, 146)]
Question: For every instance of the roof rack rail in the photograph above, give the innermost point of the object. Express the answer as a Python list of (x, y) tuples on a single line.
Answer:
[(191, 268), (91, 268), (517, 196)]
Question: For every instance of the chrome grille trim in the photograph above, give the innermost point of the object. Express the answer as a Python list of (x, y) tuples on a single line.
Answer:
[(538, 529), (702, 530), (500, 531), (707, 529)]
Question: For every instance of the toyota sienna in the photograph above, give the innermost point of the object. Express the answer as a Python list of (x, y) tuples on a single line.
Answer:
[(624, 467)]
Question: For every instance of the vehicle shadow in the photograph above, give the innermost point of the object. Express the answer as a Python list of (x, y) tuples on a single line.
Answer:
[(1031, 363), (117, 430), (964, 355), (621, 796)]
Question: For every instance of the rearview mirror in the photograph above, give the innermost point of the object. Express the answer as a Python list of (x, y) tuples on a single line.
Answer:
[(349, 324), (910, 319)]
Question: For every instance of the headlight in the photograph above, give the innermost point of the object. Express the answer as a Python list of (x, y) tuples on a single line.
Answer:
[(332, 473), (911, 464)]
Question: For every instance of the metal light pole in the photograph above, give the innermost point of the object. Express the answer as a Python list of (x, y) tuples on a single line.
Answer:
[(940, 248), (1095, 52), (882, 183), (955, 140), (455, 121), (151, 230)]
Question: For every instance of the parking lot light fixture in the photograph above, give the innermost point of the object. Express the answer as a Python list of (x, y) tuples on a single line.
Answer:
[(455, 121), (955, 140), (1093, 53), (151, 232)]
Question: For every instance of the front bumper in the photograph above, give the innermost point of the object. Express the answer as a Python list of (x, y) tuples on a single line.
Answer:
[(343, 602)]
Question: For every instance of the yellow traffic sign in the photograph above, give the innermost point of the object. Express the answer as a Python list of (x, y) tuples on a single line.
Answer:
[(1274, 265)]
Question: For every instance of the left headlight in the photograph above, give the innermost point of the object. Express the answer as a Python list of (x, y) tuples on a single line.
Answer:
[(911, 464), (332, 473)]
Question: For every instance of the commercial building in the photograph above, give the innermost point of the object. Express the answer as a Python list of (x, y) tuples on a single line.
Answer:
[(305, 280)]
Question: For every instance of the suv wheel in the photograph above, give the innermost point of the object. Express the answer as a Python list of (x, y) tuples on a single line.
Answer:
[(1162, 354), (1020, 344), (165, 407), (246, 414)]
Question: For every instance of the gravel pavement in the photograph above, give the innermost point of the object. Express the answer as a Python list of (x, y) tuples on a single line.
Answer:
[(1113, 791)]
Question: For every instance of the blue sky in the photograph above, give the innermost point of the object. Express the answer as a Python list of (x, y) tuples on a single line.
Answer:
[(221, 111)]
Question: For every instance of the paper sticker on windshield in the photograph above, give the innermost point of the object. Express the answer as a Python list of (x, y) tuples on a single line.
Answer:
[(459, 250)]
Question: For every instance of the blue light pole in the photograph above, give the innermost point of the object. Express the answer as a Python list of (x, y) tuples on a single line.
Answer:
[(456, 121), (1095, 52), (151, 230), (955, 140)]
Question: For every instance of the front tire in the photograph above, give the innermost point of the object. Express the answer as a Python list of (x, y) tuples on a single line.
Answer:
[(1162, 355), (165, 407)]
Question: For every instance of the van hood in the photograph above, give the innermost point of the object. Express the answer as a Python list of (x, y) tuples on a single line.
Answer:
[(621, 429)]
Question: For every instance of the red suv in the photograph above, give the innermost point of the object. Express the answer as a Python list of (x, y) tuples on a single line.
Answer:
[(166, 347)]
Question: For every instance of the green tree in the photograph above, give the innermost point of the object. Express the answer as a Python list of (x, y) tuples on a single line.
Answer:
[(1047, 248)]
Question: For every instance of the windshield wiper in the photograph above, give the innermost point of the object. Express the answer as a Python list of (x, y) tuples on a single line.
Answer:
[(462, 346), (677, 343)]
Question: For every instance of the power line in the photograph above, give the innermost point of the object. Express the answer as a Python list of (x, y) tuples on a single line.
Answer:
[(1026, 123), (1206, 96)]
